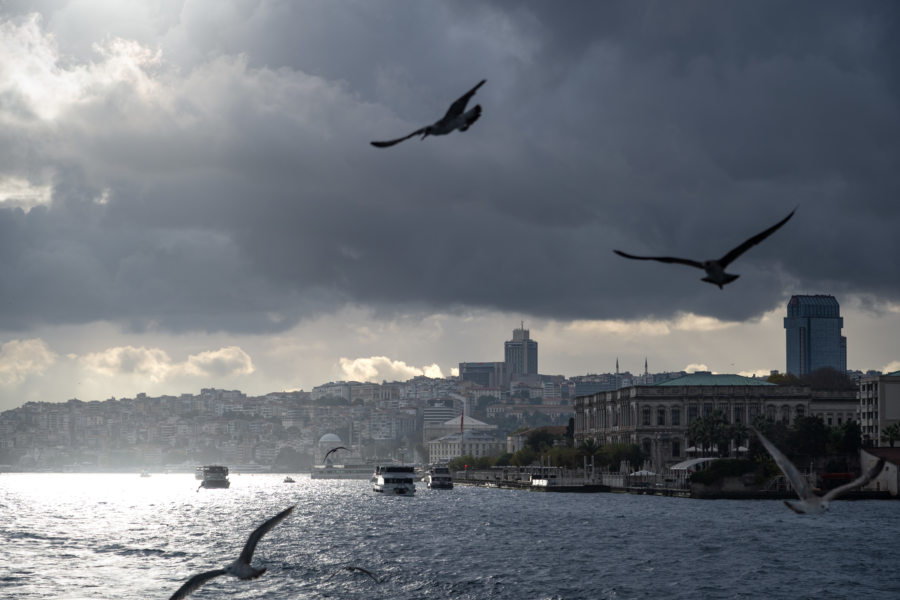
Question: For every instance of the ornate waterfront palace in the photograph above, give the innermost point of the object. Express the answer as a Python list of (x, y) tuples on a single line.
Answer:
[(657, 416)]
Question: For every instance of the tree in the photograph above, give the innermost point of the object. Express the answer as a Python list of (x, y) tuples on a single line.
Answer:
[(852, 439), (711, 431), (459, 463), (504, 460), (739, 433), (828, 378), (524, 457), (612, 455), (589, 447), (570, 432), (539, 439), (809, 437), (783, 379), (891, 433)]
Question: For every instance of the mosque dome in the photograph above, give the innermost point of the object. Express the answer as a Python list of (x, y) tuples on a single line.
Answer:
[(330, 438)]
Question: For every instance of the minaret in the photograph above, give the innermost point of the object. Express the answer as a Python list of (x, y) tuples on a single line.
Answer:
[(617, 372), (645, 367)]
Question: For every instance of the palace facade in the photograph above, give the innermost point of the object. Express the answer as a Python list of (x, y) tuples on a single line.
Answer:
[(656, 417)]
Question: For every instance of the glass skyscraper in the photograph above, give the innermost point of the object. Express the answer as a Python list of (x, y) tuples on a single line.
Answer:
[(813, 335)]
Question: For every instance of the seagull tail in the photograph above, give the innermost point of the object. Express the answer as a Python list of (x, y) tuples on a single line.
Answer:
[(721, 283), (471, 117), (256, 573)]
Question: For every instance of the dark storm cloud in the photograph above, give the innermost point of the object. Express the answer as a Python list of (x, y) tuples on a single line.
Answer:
[(240, 192)]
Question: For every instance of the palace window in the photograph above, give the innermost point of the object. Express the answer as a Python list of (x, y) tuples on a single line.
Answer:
[(693, 413), (676, 416), (660, 416), (676, 448), (646, 415)]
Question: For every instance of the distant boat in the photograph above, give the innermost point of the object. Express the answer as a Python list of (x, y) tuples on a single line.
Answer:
[(288, 479), (145, 473), (213, 476), (398, 480), (439, 478)]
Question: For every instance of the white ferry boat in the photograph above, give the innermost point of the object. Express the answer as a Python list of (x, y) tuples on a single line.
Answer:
[(213, 476), (395, 479), (439, 478)]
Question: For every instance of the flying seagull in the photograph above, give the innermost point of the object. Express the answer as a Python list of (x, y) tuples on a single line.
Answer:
[(352, 568), (715, 269), (457, 117), (240, 568), (327, 454), (810, 502)]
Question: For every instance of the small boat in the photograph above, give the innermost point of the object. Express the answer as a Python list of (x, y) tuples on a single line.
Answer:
[(439, 478), (213, 476), (289, 479), (396, 480), (145, 473)]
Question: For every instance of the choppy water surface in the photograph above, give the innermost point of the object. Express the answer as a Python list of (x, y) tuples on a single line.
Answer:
[(126, 537)]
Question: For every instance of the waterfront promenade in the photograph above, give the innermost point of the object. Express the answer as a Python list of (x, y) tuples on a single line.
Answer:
[(554, 479)]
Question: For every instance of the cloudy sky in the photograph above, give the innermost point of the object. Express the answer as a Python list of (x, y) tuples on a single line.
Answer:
[(188, 197)]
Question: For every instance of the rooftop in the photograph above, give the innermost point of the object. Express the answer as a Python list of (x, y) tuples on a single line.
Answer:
[(711, 379)]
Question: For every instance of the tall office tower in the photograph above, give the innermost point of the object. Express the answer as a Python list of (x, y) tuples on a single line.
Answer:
[(813, 329), (520, 353)]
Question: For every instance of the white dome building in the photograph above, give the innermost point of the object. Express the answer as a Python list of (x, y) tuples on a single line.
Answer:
[(326, 443)]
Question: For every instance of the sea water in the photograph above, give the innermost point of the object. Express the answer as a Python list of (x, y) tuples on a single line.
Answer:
[(131, 538)]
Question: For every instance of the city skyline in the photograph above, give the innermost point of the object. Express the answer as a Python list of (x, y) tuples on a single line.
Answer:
[(188, 197)]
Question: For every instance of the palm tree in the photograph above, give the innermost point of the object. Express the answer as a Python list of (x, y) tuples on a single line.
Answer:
[(701, 433), (738, 432), (589, 447), (710, 431), (892, 433)]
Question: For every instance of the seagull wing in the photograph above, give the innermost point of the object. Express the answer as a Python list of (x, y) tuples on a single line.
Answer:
[(753, 241), (665, 259), (786, 466), (398, 140), (459, 106), (353, 568), (327, 454), (856, 483), (250, 546), (194, 583)]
